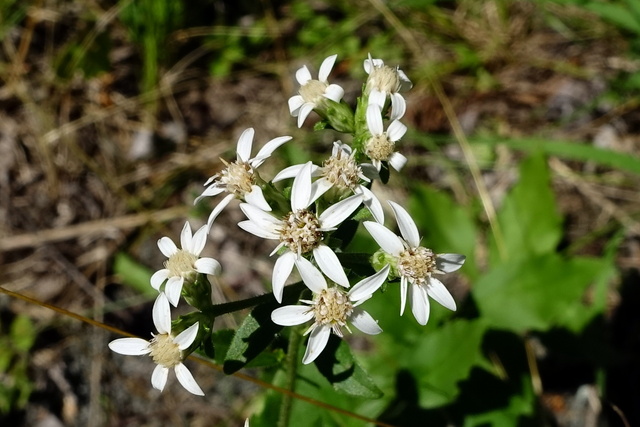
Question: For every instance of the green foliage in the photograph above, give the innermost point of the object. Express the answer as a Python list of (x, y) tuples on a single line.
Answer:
[(134, 274), (15, 388)]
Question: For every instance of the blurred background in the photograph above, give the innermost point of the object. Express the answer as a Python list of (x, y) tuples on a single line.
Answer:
[(523, 155)]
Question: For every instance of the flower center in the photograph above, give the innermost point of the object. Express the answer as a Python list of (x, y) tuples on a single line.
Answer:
[(181, 263), (313, 91), (300, 231), (417, 264), (238, 177), (384, 79), (379, 147), (164, 351), (332, 307), (342, 171)]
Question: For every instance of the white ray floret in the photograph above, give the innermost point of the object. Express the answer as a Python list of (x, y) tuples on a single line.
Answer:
[(341, 171), (381, 146), (384, 80), (301, 232), (166, 349), (415, 265), (183, 264), (313, 92), (239, 178), (330, 310)]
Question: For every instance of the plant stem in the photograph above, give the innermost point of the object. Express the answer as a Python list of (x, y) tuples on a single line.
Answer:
[(291, 363), (229, 307)]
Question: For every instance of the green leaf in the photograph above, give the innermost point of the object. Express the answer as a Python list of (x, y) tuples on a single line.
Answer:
[(616, 14), (447, 226), (338, 366), (528, 217), (134, 274), (22, 333), (538, 293), (522, 404)]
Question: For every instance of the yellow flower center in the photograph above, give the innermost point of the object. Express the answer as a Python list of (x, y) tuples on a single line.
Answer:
[(181, 264), (300, 231), (332, 307), (312, 91), (379, 147), (342, 171), (384, 79), (417, 264), (238, 177), (164, 351)]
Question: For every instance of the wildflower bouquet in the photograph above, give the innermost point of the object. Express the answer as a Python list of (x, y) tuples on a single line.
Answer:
[(311, 213)]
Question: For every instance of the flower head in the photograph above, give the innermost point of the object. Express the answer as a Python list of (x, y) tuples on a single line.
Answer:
[(301, 231), (330, 310), (381, 146), (166, 350), (384, 80), (342, 172), (239, 178), (183, 264), (312, 93), (415, 264)]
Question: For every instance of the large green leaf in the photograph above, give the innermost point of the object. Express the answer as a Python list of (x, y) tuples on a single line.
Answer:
[(528, 218), (538, 293), (447, 226)]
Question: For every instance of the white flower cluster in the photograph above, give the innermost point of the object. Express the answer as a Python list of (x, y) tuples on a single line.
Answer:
[(302, 219)]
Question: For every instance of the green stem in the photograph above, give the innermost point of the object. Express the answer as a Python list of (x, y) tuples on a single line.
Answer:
[(291, 364)]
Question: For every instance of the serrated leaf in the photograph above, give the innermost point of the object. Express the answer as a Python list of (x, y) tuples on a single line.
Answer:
[(446, 226), (256, 332), (528, 217), (339, 367), (537, 293)]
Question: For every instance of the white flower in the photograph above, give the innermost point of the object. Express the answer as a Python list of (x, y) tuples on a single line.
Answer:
[(343, 172), (415, 264), (384, 80), (301, 231), (330, 309), (380, 147), (165, 349), (183, 264), (239, 177), (312, 92)]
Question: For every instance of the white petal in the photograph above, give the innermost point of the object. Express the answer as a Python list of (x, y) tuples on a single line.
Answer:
[(261, 218), (303, 75), (281, 272), (301, 189), (407, 226), (326, 67), (167, 247), (304, 112), (403, 294), (374, 119), (158, 278), (448, 263), (373, 204), (185, 237), (256, 230), (317, 342), (291, 315), (173, 289), (162, 314), (319, 187), (398, 106), (366, 287), (295, 102), (187, 337), (130, 346), (286, 173), (159, 377), (186, 379), (311, 276), (212, 190), (216, 211), (334, 92), (396, 130), (419, 304), (198, 241), (405, 83), (337, 213), (397, 161), (386, 239), (269, 147), (244, 145), (330, 265), (439, 292), (208, 266), (363, 321), (256, 198)]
